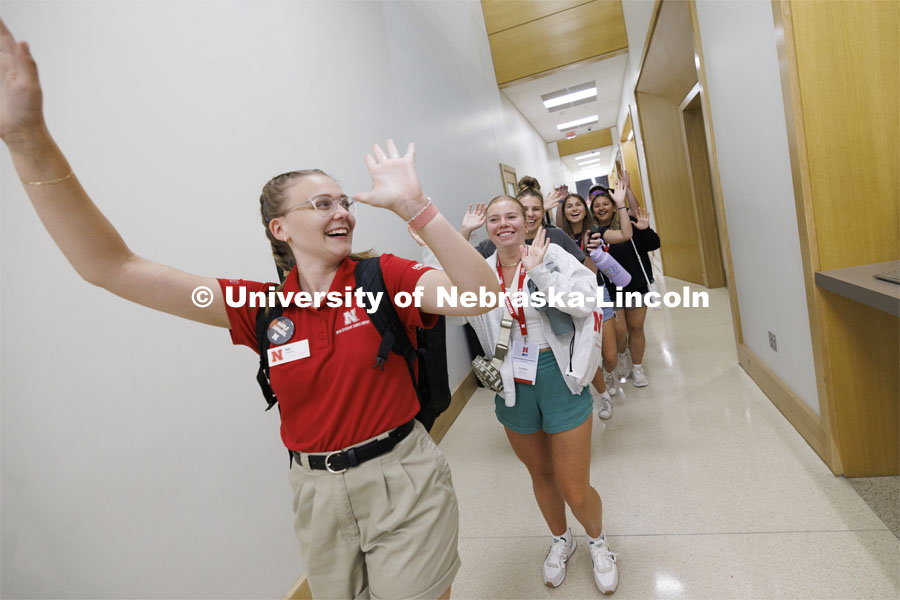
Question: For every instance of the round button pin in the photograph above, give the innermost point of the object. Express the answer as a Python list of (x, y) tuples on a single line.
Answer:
[(280, 330)]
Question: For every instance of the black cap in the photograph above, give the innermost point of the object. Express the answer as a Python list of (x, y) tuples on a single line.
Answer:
[(598, 188)]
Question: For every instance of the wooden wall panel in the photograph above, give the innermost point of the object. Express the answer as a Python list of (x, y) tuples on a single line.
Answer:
[(670, 188), (840, 67), (629, 155), (504, 14), (865, 347), (580, 33), (698, 174), (849, 70), (583, 143), (669, 70)]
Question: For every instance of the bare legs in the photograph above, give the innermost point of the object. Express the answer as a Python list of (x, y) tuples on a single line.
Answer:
[(621, 331), (559, 465), (608, 350), (634, 319), (630, 332)]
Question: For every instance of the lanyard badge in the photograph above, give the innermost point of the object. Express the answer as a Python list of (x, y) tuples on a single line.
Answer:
[(520, 315), (524, 355)]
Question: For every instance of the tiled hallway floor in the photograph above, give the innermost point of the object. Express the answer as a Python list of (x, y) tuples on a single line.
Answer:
[(708, 491)]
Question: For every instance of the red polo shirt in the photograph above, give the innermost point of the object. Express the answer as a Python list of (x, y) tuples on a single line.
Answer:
[(333, 398)]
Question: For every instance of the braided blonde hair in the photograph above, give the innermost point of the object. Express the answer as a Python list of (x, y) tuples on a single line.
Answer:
[(271, 205)]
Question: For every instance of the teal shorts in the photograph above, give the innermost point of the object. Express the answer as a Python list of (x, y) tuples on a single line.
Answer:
[(547, 405)]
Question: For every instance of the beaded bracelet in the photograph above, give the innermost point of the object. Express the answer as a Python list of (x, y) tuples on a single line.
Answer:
[(424, 216)]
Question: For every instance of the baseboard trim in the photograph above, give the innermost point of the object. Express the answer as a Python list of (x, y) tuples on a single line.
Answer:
[(794, 409), (300, 591), (458, 401)]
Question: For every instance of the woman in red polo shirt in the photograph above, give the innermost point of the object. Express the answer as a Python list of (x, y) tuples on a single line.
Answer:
[(399, 538)]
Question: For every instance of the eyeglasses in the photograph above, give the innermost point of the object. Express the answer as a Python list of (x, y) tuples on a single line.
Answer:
[(326, 206)]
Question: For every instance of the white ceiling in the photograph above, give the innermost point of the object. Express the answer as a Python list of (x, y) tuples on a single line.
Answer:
[(609, 75)]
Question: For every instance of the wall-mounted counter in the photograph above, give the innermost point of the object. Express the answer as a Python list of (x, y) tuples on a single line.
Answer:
[(859, 284)]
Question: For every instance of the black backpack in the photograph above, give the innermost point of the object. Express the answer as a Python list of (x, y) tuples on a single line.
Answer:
[(433, 387)]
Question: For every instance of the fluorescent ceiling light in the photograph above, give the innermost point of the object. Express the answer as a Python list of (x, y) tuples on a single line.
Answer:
[(577, 122), (573, 97), (590, 162), (588, 155)]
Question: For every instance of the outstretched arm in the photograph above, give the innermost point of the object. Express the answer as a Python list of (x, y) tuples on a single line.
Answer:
[(87, 239), (395, 186), (617, 236)]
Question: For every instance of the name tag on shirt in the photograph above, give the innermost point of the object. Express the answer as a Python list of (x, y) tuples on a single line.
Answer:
[(525, 362), (288, 353)]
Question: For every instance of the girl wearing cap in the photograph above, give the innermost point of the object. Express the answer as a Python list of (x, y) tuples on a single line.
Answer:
[(612, 222)]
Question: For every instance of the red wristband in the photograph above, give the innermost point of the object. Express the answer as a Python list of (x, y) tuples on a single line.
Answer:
[(424, 216)]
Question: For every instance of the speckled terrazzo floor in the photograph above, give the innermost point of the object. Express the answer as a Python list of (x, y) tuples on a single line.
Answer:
[(708, 491)]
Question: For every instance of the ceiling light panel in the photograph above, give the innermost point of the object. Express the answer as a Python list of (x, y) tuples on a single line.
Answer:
[(577, 123), (570, 96)]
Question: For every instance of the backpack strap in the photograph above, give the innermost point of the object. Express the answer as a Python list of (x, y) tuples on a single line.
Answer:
[(393, 333), (263, 318)]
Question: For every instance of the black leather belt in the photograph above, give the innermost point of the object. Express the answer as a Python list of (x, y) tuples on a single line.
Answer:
[(341, 460)]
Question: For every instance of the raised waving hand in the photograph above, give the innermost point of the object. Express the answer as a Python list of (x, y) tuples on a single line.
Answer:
[(533, 255), (473, 219), (395, 185), (643, 218)]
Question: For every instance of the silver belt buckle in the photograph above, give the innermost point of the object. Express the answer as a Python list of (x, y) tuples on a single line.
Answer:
[(328, 467)]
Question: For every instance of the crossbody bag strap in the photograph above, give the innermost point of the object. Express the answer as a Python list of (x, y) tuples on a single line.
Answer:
[(640, 262), (502, 341)]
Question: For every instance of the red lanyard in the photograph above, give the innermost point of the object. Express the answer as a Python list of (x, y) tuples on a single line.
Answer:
[(520, 316)]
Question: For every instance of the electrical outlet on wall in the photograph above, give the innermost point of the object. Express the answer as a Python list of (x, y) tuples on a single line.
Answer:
[(772, 342)]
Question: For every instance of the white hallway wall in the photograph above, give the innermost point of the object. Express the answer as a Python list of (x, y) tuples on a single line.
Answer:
[(136, 457), (746, 101)]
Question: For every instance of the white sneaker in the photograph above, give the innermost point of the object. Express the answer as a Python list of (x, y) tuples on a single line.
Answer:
[(612, 382), (606, 572), (638, 377), (555, 563), (605, 411)]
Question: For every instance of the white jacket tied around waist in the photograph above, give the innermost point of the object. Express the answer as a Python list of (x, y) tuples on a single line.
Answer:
[(578, 353)]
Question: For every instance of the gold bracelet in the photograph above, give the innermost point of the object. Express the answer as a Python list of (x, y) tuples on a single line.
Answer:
[(50, 181)]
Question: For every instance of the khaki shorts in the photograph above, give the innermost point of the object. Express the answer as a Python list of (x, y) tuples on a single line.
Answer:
[(385, 529)]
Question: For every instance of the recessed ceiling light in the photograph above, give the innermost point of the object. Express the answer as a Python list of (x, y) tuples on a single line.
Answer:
[(588, 155), (577, 122), (573, 97)]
